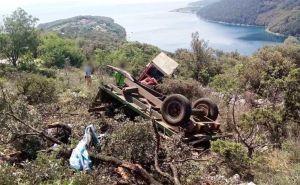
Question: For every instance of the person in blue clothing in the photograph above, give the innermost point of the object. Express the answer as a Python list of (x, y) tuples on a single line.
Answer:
[(88, 70)]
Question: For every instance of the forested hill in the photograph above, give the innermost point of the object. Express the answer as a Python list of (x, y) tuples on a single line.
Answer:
[(102, 31), (279, 16)]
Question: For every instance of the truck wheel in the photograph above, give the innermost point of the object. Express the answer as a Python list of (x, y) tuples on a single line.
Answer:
[(176, 109), (208, 109)]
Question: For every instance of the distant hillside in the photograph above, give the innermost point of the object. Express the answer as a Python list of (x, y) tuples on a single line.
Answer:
[(193, 7), (98, 31), (279, 16)]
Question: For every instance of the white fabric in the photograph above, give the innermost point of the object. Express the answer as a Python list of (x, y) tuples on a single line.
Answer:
[(80, 159)]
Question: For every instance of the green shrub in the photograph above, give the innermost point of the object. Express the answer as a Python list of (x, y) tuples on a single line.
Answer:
[(7, 174), (27, 63), (7, 70), (56, 52), (293, 149), (133, 142), (134, 54), (37, 89), (50, 73), (281, 165), (189, 88), (234, 154), (45, 169)]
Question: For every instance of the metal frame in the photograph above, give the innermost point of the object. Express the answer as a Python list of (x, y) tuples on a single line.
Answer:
[(147, 103)]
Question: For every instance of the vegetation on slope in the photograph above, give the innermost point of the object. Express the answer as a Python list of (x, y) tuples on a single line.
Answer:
[(258, 97), (90, 31), (279, 16)]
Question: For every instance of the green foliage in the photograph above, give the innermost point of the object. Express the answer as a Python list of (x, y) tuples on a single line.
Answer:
[(90, 32), (270, 123), (202, 59), (198, 63), (134, 55), (234, 154), (56, 52), (47, 72), (230, 151), (27, 63), (37, 89), (227, 82), (264, 74), (274, 70), (7, 71), (46, 169), (292, 95), (293, 148), (282, 165), (280, 16), (232, 11), (7, 174), (133, 142), (18, 36), (40, 171), (83, 25), (190, 88)]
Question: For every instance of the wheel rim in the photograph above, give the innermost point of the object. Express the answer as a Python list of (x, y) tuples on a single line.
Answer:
[(174, 109), (204, 111)]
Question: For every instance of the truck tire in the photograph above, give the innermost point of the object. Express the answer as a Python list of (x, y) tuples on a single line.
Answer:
[(176, 109), (208, 109)]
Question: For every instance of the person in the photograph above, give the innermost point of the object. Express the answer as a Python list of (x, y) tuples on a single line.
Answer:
[(88, 74), (119, 77)]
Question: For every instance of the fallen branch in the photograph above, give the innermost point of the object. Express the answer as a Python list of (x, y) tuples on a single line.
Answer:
[(189, 159), (38, 132), (34, 130), (156, 165), (175, 174), (134, 168)]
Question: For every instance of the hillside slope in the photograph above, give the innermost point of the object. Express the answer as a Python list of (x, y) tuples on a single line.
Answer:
[(102, 31), (279, 16)]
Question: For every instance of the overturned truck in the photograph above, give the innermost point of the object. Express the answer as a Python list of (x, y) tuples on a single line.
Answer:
[(172, 114)]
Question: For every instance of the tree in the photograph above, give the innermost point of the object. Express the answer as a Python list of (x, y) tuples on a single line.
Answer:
[(292, 95), (57, 51), (202, 58), (134, 54), (18, 36)]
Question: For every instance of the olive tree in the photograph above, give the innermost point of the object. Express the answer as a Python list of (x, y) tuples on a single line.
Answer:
[(18, 35), (202, 59)]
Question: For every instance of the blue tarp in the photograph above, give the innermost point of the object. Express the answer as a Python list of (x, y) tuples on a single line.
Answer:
[(80, 159)]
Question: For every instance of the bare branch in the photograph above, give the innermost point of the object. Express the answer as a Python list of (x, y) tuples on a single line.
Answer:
[(175, 174), (35, 130), (156, 165)]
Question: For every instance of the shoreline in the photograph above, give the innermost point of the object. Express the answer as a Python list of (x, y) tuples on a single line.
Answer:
[(246, 25), (231, 24), (228, 23), (277, 34)]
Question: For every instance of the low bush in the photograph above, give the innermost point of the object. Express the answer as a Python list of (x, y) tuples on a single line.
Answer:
[(189, 88), (282, 165), (133, 142), (56, 52), (234, 154), (7, 70), (50, 73), (37, 89), (27, 63)]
